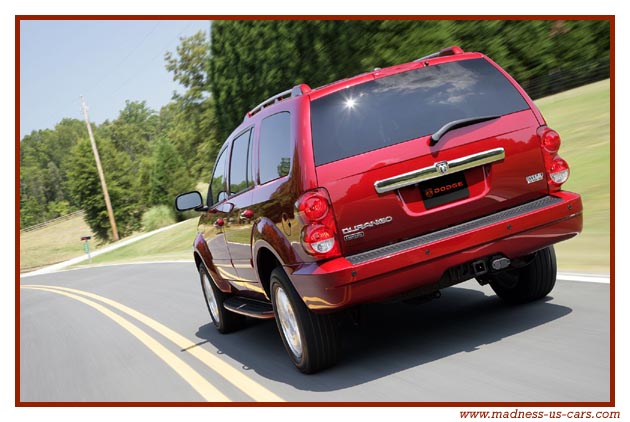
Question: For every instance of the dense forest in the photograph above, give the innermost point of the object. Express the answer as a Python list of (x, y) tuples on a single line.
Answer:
[(149, 155)]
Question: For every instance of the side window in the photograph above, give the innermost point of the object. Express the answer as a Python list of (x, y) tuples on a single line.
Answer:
[(275, 147), (216, 191), (241, 164)]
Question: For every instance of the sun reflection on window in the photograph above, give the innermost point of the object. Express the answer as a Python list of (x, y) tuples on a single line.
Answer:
[(350, 103)]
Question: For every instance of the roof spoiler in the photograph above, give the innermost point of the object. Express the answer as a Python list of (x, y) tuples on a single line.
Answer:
[(296, 91), (450, 51)]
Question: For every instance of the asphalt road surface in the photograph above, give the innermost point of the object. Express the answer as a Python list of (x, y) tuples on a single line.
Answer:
[(142, 333)]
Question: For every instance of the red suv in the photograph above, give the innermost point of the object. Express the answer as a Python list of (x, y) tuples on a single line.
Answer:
[(392, 184)]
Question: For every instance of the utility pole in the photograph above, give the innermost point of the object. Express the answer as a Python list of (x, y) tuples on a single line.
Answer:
[(108, 204)]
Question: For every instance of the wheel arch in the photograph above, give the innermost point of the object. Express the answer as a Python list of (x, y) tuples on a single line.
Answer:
[(271, 249), (198, 260), (203, 257), (266, 262)]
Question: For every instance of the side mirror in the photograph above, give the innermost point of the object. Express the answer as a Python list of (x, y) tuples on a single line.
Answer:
[(188, 201), (224, 207)]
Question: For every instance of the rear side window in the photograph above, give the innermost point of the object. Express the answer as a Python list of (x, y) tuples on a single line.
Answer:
[(275, 147), (217, 192), (408, 105), (241, 164)]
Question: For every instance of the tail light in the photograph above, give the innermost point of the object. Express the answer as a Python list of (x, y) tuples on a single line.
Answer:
[(557, 168), (550, 140), (558, 172), (319, 232)]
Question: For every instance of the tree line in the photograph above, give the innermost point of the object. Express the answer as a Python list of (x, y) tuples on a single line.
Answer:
[(149, 156)]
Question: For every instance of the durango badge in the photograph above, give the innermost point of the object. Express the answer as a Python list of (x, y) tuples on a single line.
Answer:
[(367, 225)]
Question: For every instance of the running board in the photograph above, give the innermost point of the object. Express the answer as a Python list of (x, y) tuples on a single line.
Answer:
[(249, 307)]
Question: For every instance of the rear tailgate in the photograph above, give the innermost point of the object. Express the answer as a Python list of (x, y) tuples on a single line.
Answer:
[(364, 141), (369, 219)]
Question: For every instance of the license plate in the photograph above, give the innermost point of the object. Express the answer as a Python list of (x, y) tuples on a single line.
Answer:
[(445, 189)]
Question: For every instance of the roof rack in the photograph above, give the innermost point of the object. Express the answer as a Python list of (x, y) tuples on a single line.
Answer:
[(450, 51), (296, 91)]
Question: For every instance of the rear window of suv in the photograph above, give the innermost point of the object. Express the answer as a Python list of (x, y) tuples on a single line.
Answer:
[(408, 105)]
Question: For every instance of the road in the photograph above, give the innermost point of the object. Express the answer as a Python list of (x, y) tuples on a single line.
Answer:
[(141, 333)]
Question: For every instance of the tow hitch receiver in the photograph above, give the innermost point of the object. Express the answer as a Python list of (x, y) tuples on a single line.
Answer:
[(479, 268)]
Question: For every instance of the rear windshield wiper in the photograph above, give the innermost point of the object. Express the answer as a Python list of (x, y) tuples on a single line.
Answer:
[(435, 138)]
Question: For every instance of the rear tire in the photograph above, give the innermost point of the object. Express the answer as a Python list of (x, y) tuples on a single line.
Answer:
[(224, 320), (311, 340), (532, 282)]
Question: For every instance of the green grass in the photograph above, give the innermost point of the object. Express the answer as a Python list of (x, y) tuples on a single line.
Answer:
[(173, 244), (582, 117), (55, 243)]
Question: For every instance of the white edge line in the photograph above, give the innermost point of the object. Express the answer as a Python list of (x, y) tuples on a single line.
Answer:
[(587, 278)]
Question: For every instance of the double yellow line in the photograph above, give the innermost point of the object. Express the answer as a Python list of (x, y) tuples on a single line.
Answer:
[(210, 393)]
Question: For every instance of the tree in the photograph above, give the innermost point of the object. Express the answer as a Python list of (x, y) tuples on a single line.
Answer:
[(188, 122), (168, 174), (189, 65), (53, 183), (134, 129), (42, 171), (397, 41), (85, 188), (32, 204)]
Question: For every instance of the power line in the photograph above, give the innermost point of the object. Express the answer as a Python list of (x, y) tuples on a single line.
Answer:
[(52, 115), (107, 74), (112, 70), (153, 59)]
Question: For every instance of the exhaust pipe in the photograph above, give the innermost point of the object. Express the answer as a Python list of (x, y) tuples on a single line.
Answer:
[(497, 263), (500, 263)]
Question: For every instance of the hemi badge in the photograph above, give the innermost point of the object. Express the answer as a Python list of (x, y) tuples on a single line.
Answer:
[(534, 178)]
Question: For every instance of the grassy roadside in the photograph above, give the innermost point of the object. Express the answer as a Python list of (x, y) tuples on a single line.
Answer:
[(170, 245), (581, 116), (55, 243), (61, 241)]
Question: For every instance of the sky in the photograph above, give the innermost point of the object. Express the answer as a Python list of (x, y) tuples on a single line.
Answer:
[(106, 61)]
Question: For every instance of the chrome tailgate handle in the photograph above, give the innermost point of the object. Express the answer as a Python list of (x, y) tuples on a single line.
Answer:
[(439, 169)]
